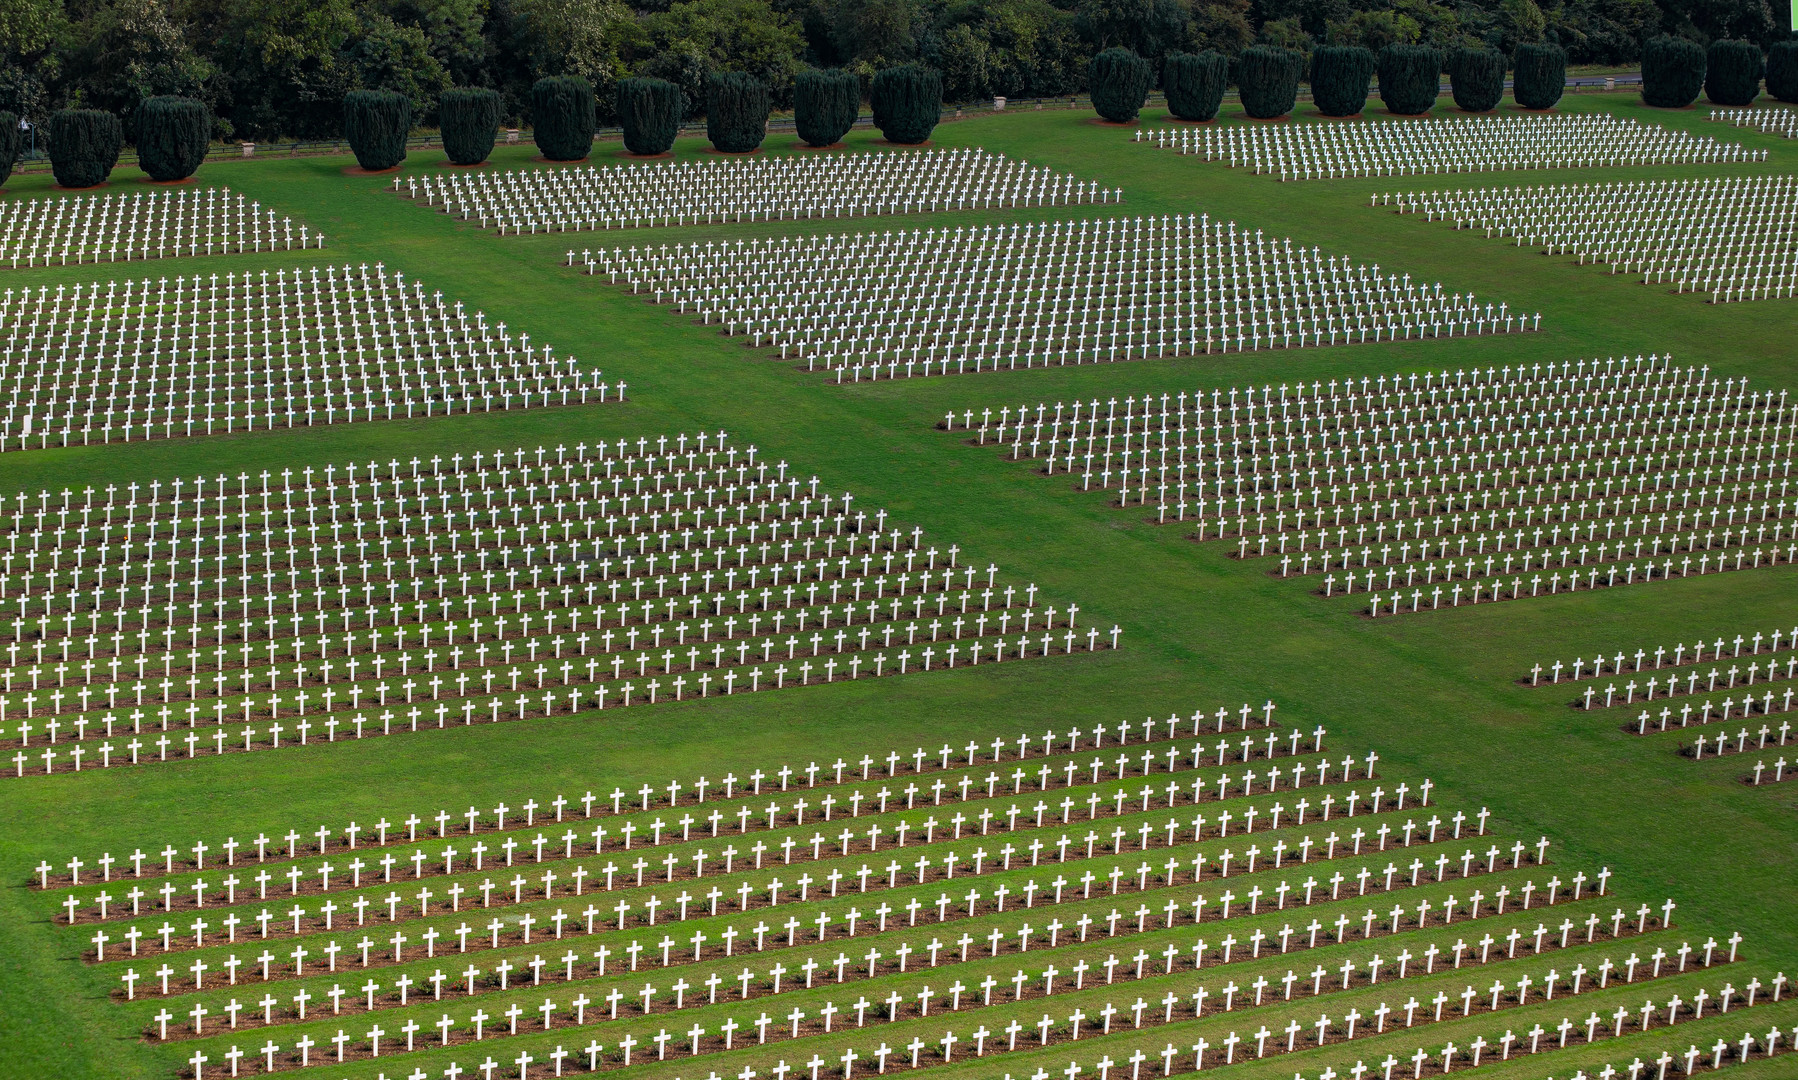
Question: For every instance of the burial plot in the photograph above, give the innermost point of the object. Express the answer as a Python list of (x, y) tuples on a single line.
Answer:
[(119, 227)]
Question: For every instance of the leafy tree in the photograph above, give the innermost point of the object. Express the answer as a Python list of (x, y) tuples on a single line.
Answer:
[(692, 40), (1374, 30), (281, 62), (872, 34), (389, 56)]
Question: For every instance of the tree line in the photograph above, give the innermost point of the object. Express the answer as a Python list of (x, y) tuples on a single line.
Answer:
[(271, 69)]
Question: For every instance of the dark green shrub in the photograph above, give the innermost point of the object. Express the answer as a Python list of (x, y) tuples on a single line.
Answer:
[(1410, 78), (1195, 83), (1541, 75), (907, 102), (1732, 73), (1672, 72), (825, 105), (1340, 76), (650, 112), (172, 136), (1118, 80), (376, 123), (84, 146), (1782, 70), (562, 121), (736, 111), (1477, 77), (469, 120), (9, 143), (1268, 79)]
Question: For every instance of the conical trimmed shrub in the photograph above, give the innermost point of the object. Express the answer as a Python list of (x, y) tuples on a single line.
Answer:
[(9, 143), (1672, 72), (1195, 83), (907, 102), (1118, 80), (1268, 79), (650, 112), (1410, 78), (562, 121), (826, 105), (1782, 71), (1541, 75), (736, 111), (1477, 78), (469, 120), (172, 136), (376, 123), (1732, 74), (84, 146), (1340, 77)]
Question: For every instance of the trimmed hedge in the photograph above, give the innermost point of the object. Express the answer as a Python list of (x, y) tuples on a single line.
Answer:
[(84, 146), (469, 119), (1541, 75), (1195, 83), (736, 111), (172, 136), (1340, 77), (1672, 72), (1118, 80), (1732, 74), (562, 120), (1782, 70), (9, 143), (376, 123), (1268, 79), (907, 102), (650, 112), (826, 105), (1477, 78), (1410, 78)]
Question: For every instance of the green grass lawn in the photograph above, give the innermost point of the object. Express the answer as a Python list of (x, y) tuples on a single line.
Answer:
[(1436, 694)]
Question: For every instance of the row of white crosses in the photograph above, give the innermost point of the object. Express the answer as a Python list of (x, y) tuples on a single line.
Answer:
[(1172, 1008), (674, 795), (1196, 1000), (1038, 294), (748, 189), (161, 224), (1296, 760), (1732, 237), (113, 361), (1741, 742), (378, 598), (1497, 473), (1770, 772), (1678, 654), (1448, 145), (1773, 120), (1718, 1055)]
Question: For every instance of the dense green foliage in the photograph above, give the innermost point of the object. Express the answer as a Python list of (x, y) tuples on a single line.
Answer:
[(1782, 71), (1195, 83), (1541, 75), (826, 105), (736, 111), (172, 136), (9, 143), (1477, 77), (1672, 72), (1268, 79), (907, 101), (650, 112), (280, 68), (84, 146), (1340, 77), (376, 123), (1732, 72), (1410, 78), (469, 118), (1118, 80), (562, 120)]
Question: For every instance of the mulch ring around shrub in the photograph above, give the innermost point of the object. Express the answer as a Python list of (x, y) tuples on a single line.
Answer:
[(357, 170)]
